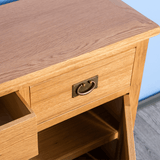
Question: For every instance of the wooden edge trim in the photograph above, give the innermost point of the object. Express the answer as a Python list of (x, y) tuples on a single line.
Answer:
[(90, 146), (17, 121)]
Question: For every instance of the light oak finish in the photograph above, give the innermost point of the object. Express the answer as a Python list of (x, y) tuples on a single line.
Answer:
[(124, 148), (25, 93), (18, 136), (76, 136), (128, 130), (45, 48), (114, 148), (38, 35), (77, 62), (23, 149), (54, 97), (81, 109), (114, 107), (137, 74)]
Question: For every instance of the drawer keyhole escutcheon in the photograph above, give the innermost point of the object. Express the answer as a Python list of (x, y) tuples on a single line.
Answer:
[(85, 87)]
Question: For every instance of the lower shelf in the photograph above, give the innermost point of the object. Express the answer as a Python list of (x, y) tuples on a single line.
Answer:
[(76, 136), (96, 154)]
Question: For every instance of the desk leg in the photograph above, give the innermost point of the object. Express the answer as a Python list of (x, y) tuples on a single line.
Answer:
[(125, 147), (137, 74), (127, 130)]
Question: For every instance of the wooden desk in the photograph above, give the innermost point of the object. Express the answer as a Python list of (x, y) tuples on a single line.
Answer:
[(47, 47)]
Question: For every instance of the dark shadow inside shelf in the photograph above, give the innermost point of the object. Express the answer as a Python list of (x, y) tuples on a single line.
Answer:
[(11, 108)]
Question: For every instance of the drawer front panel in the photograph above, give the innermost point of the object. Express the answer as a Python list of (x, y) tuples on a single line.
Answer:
[(54, 97), (19, 134), (23, 150)]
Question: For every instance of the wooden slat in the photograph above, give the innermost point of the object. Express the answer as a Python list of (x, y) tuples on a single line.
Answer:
[(137, 74), (74, 137), (128, 130), (37, 35)]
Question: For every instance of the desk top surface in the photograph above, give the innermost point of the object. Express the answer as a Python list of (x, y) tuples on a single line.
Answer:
[(37, 34)]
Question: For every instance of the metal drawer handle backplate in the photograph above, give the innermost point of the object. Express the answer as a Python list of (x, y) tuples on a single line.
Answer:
[(85, 87), (87, 92)]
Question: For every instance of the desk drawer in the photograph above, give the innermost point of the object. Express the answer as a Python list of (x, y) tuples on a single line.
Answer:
[(18, 130), (54, 96)]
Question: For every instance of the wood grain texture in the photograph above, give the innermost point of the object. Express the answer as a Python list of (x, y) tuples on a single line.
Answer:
[(14, 105), (110, 148), (74, 63), (82, 109), (54, 97), (137, 74), (19, 136), (128, 130), (45, 40), (25, 93), (75, 136), (24, 149), (114, 107), (35, 35)]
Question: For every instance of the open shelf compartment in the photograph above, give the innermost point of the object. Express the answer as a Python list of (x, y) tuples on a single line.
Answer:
[(78, 135)]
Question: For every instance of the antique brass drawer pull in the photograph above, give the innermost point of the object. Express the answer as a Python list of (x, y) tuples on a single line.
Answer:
[(87, 92), (85, 87)]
